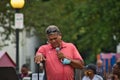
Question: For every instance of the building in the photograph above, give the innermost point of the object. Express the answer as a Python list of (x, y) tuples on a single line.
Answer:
[(6, 60), (28, 43)]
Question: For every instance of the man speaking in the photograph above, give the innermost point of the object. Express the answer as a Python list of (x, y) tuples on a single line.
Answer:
[(61, 58)]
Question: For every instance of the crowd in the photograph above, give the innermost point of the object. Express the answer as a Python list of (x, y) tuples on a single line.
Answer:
[(89, 72)]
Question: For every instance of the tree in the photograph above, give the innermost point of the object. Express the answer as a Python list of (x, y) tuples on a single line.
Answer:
[(6, 22), (85, 23), (93, 26)]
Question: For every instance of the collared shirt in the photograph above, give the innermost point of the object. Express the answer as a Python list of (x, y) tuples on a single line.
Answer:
[(55, 70)]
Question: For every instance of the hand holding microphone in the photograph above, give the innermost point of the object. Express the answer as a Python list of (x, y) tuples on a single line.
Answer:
[(61, 56)]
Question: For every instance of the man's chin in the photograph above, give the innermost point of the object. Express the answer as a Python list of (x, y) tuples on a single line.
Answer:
[(55, 46)]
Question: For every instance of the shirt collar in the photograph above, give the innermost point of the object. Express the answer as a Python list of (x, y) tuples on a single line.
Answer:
[(63, 45)]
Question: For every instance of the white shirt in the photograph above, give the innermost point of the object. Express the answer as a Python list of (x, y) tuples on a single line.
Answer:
[(96, 77)]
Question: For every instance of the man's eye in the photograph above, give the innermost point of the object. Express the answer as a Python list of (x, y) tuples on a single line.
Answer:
[(53, 39)]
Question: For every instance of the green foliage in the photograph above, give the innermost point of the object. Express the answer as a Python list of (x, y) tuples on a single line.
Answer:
[(6, 19), (92, 25)]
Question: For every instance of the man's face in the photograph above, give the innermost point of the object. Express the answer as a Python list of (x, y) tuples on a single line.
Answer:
[(24, 70), (54, 40), (88, 72)]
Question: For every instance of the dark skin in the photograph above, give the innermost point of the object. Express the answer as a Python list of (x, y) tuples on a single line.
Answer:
[(116, 71), (24, 71), (74, 63), (55, 41), (89, 73)]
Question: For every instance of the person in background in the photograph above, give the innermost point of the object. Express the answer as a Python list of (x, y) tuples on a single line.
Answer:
[(116, 71), (24, 72), (99, 66), (90, 73), (61, 58)]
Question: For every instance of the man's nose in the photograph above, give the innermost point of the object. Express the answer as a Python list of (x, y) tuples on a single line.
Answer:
[(53, 40)]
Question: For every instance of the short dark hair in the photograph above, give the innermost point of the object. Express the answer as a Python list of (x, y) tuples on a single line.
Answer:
[(25, 65), (52, 29), (91, 67)]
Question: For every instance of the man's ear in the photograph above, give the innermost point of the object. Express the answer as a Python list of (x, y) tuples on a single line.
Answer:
[(60, 37)]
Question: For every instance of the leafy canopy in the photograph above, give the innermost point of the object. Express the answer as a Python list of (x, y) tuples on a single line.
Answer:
[(92, 25)]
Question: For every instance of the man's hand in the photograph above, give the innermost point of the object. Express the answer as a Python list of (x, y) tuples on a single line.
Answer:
[(39, 58), (60, 56)]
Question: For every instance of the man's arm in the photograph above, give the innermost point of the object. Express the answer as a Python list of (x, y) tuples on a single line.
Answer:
[(73, 62), (77, 63)]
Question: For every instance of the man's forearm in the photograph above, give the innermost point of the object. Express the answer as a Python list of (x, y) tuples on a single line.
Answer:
[(77, 64)]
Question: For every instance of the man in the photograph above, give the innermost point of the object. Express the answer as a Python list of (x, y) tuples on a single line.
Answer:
[(60, 58), (100, 70), (24, 72), (116, 71), (90, 73)]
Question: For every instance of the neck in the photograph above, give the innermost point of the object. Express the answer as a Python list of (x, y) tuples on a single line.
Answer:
[(91, 76)]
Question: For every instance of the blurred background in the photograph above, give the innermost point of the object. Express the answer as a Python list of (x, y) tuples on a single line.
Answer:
[(92, 25)]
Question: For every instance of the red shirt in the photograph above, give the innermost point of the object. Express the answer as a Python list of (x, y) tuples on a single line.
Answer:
[(55, 70)]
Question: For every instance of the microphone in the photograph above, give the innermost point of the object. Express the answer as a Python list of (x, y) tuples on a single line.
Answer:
[(57, 49), (65, 60)]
